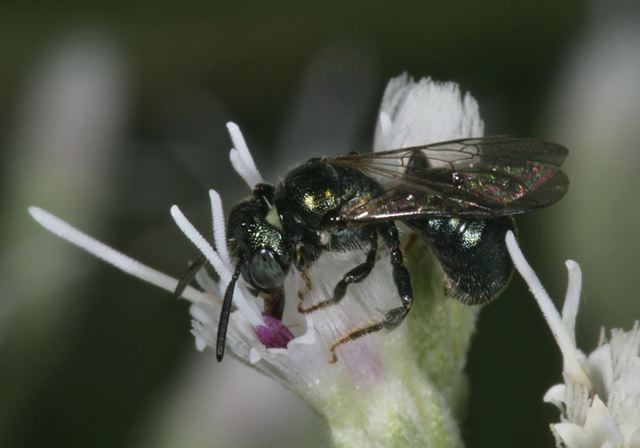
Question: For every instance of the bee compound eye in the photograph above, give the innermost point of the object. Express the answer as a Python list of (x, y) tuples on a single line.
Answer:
[(266, 272)]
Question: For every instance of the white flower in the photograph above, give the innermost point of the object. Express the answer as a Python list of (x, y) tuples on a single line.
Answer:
[(391, 388), (600, 397)]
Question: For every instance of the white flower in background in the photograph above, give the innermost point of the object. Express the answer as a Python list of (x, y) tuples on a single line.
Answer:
[(392, 388), (600, 398)]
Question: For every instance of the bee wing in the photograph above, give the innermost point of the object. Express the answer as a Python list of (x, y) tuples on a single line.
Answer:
[(485, 177)]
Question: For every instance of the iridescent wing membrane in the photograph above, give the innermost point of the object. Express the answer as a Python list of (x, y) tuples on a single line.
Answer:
[(485, 177)]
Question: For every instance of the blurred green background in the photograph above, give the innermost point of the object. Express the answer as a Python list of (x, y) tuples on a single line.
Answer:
[(110, 113)]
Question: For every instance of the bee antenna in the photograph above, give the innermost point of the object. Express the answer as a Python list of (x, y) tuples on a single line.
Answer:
[(225, 312), (189, 275)]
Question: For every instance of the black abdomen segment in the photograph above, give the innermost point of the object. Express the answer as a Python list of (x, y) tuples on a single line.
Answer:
[(473, 254)]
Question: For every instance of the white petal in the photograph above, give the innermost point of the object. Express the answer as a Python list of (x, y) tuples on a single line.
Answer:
[(598, 413), (200, 344), (219, 231), (241, 158), (224, 270), (595, 432), (204, 280), (427, 111), (556, 396), (631, 435), (577, 401), (574, 436), (624, 394), (117, 259), (199, 314), (600, 367), (254, 355), (570, 354), (572, 297), (385, 128)]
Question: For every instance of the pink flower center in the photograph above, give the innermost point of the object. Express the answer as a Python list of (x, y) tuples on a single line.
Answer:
[(273, 333)]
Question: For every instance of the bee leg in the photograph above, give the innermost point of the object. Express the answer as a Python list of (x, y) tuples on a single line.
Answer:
[(402, 280), (308, 284), (355, 275)]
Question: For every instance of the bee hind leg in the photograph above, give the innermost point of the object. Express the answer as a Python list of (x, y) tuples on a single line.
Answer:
[(401, 279)]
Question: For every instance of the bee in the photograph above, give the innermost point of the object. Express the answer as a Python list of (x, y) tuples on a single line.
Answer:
[(460, 196)]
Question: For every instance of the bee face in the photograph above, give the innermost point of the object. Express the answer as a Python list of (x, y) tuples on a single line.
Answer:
[(261, 248)]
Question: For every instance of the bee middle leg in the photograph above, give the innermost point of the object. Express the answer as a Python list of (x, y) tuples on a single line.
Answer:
[(308, 284), (355, 275), (402, 280)]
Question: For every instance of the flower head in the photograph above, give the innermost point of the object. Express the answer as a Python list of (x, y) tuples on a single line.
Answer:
[(391, 388), (599, 399)]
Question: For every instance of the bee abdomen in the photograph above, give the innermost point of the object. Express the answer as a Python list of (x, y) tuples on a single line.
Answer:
[(472, 253)]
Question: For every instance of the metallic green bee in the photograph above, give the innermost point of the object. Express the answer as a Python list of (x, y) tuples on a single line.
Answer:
[(459, 195)]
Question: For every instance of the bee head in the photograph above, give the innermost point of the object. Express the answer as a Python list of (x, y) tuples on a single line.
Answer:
[(257, 240)]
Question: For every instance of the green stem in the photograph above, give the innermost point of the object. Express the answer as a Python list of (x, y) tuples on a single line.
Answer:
[(422, 397)]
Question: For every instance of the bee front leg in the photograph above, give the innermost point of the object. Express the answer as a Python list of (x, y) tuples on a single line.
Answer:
[(273, 302), (402, 280), (355, 275)]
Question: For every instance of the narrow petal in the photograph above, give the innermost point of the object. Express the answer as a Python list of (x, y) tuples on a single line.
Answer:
[(219, 231), (241, 158), (570, 355), (572, 297), (117, 259)]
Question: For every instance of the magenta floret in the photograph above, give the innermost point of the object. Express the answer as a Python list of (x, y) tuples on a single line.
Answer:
[(273, 333)]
